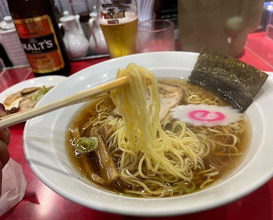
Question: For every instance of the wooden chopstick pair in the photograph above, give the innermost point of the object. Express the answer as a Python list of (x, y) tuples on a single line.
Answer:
[(83, 96)]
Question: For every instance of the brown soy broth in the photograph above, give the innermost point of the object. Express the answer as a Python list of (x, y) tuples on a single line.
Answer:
[(78, 121), (84, 114)]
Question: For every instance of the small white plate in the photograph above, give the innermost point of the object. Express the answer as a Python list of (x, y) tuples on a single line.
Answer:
[(39, 82)]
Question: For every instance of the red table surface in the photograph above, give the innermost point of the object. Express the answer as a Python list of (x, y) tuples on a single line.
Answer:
[(40, 202)]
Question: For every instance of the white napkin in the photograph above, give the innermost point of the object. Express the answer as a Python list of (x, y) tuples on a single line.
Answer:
[(13, 186)]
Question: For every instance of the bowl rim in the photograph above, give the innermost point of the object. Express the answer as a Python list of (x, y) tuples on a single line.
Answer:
[(210, 197)]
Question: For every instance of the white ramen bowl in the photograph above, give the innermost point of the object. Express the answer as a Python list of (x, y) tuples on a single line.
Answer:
[(47, 157)]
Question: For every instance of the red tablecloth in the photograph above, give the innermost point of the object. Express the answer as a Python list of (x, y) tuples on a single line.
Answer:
[(40, 202)]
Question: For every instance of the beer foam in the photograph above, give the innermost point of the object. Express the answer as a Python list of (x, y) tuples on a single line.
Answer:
[(129, 16)]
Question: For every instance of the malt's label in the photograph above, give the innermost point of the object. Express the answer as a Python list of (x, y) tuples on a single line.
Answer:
[(40, 43)]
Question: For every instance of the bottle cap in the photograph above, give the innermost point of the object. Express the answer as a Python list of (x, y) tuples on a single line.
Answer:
[(94, 14), (67, 17)]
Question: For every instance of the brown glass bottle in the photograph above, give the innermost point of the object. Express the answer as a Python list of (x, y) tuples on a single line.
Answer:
[(40, 36)]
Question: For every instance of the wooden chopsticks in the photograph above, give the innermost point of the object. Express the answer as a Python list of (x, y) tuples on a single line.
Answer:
[(83, 96)]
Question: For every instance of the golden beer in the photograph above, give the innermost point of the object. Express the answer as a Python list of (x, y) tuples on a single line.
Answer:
[(121, 37)]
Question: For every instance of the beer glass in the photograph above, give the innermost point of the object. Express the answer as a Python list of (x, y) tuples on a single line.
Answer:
[(118, 20), (2, 67), (155, 35)]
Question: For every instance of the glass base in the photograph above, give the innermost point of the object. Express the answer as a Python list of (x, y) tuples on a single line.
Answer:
[(11, 76)]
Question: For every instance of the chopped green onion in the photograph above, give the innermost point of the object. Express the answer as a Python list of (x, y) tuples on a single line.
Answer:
[(199, 167), (40, 93), (86, 144), (189, 187), (177, 127)]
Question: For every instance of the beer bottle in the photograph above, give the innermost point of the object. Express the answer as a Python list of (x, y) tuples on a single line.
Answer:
[(39, 33)]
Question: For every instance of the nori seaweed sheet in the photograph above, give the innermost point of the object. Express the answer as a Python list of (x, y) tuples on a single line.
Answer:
[(231, 79)]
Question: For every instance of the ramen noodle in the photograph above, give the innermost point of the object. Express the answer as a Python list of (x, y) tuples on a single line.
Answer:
[(123, 141)]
